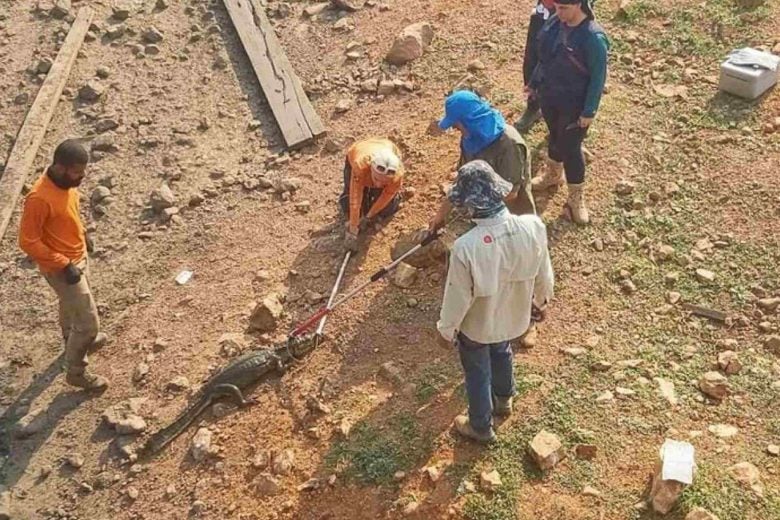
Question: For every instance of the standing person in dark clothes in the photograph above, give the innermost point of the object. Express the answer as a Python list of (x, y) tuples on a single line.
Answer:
[(543, 10), (569, 80)]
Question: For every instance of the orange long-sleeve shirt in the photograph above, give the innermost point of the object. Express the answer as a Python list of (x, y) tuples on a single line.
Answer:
[(359, 157), (51, 231)]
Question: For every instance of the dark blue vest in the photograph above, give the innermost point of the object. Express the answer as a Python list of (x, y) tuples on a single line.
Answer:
[(563, 61)]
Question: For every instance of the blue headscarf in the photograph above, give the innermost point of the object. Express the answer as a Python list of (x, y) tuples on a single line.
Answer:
[(483, 123), (479, 189)]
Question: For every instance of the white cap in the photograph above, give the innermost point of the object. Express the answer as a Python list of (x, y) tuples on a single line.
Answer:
[(386, 159)]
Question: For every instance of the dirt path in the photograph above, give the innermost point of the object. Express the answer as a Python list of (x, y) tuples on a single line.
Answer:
[(186, 116)]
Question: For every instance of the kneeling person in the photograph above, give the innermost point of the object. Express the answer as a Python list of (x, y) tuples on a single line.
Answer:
[(498, 271), (373, 175)]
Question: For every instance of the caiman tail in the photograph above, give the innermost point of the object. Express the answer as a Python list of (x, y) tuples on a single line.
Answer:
[(162, 438)]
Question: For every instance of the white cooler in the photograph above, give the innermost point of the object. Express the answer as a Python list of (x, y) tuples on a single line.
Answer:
[(747, 81)]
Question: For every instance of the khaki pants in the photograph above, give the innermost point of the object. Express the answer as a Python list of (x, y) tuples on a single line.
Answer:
[(78, 317)]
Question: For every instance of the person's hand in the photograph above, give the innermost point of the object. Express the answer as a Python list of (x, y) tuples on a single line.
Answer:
[(434, 130), (350, 241), (538, 313), (444, 342), (585, 121), (435, 223), (512, 195), (72, 274)]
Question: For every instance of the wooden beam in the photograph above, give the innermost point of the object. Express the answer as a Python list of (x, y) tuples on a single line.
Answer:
[(293, 111), (33, 130)]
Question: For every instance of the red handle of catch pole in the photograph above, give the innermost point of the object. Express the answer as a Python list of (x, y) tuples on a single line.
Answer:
[(303, 327)]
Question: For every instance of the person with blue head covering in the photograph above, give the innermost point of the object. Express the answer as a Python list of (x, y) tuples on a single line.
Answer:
[(498, 272), (485, 135), (569, 82)]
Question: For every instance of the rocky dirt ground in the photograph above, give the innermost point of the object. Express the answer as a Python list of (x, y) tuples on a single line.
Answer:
[(685, 209)]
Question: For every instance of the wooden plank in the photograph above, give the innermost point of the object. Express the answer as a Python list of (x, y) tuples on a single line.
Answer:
[(293, 111), (38, 117), (712, 314)]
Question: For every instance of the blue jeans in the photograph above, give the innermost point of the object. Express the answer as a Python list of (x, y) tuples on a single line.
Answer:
[(489, 371)]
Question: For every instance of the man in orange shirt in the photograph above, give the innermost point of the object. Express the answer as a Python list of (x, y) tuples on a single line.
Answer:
[(52, 234), (373, 175)]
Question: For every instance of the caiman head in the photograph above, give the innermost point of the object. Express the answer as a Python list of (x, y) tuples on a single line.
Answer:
[(299, 346)]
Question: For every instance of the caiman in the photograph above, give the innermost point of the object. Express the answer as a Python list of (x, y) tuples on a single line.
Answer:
[(237, 376)]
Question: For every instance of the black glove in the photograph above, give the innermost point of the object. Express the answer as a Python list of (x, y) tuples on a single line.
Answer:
[(72, 274)]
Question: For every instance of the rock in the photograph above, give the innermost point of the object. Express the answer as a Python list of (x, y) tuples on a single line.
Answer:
[(124, 418), (586, 451), (314, 9), (343, 105), (391, 373), (624, 393), (723, 431), (490, 480), (772, 344), (265, 317), (748, 475), (197, 508), (699, 513), (714, 385), (601, 366), (162, 198), (92, 91), (310, 485), (404, 275), (664, 494), (31, 424), (44, 66), (261, 460), (231, 344), (132, 493), (178, 384), (99, 194), (546, 450), (410, 44), (590, 491), (627, 286), (5, 504), (432, 472), (75, 460), (22, 99), (103, 143), (411, 507), (152, 35), (399, 476), (201, 445), (665, 252), (673, 297), (61, 9), (475, 66), (605, 398), (105, 125), (625, 187), (728, 361), (103, 72), (283, 462), (385, 88), (666, 389), (316, 406), (773, 449), (768, 304), (705, 276), (433, 254), (265, 484), (347, 5)]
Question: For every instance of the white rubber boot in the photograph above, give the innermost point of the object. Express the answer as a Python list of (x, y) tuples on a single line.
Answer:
[(552, 176), (576, 204)]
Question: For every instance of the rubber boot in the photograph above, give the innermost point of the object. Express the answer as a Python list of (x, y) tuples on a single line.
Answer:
[(502, 406), (552, 176), (463, 427), (86, 380), (576, 204), (529, 118), (528, 340)]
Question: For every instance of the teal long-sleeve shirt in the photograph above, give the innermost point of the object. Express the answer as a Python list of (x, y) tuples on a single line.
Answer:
[(597, 48)]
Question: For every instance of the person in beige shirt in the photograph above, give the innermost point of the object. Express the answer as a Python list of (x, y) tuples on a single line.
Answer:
[(498, 272)]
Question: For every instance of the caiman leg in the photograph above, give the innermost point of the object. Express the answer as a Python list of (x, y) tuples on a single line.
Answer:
[(233, 391)]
